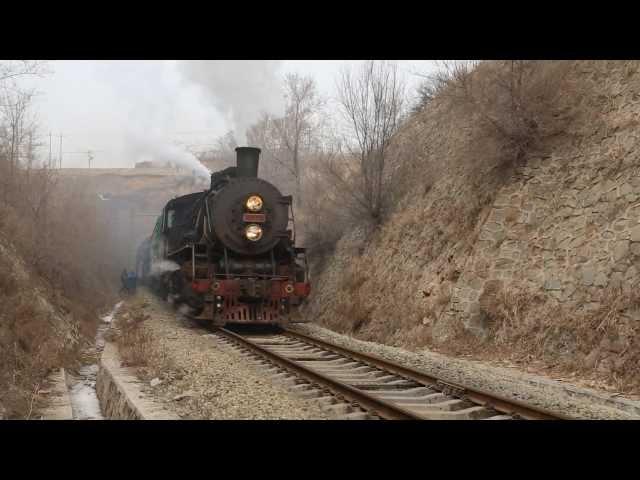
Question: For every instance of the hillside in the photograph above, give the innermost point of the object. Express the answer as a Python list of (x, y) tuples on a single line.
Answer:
[(39, 331), (531, 258)]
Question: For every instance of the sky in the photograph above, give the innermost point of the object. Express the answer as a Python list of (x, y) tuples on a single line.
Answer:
[(128, 111)]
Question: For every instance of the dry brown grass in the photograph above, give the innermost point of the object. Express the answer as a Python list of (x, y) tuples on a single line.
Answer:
[(352, 305), (136, 343), (517, 101), (604, 342), (133, 340)]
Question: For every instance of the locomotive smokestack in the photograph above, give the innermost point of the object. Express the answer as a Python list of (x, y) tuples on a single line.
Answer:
[(247, 161)]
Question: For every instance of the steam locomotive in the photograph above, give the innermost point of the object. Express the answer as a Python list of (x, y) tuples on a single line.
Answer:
[(229, 252)]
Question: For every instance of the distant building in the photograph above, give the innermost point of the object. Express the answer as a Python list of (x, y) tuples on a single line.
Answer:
[(144, 165)]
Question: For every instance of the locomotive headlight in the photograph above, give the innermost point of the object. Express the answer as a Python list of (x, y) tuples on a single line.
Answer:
[(253, 232), (254, 203)]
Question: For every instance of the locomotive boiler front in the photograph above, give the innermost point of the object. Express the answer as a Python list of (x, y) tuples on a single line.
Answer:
[(249, 216)]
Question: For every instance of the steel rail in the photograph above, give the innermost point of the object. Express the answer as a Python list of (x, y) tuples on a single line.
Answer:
[(479, 397), (379, 407)]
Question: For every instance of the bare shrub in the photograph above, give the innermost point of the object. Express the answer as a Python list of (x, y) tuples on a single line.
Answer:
[(28, 351), (353, 307), (325, 215), (507, 311), (8, 285), (518, 101), (435, 85), (134, 341)]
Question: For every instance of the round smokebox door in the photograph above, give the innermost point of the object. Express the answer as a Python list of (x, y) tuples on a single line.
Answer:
[(229, 208)]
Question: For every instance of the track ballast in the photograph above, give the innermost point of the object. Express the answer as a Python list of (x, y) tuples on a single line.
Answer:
[(363, 386)]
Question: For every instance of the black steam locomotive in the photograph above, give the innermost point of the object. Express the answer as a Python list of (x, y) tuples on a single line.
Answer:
[(229, 252)]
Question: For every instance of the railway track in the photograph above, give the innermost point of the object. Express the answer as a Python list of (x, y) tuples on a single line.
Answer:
[(355, 385)]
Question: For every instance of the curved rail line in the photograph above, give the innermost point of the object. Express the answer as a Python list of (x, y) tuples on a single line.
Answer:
[(381, 388)]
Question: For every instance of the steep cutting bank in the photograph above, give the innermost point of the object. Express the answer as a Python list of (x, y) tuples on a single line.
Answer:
[(531, 258)]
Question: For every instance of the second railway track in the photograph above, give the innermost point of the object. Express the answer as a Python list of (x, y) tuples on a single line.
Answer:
[(362, 386)]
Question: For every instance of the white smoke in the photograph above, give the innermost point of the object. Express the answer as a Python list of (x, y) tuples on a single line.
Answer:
[(151, 148), (185, 310), (239, 89), (162, 266), (172, 298)]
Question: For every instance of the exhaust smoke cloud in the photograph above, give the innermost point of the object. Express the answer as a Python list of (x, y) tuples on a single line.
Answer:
[(149, 148), (239, 89), (162, 266)]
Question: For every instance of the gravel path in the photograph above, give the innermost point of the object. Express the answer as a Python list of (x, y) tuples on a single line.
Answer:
[(203, 380), (573, 401)]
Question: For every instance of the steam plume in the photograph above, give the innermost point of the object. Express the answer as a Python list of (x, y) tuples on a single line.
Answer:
[(239, 89), (159, 152), (162, 266)]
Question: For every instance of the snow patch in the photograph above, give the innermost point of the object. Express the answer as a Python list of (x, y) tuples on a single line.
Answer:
[(109, 317), (82, 392)]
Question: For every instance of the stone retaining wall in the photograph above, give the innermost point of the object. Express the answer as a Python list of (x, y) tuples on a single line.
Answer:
[(566, 228), (567, 224)]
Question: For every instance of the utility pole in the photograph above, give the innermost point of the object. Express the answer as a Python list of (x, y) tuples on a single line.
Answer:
[(60, 158), (50, 165), (90, 155)]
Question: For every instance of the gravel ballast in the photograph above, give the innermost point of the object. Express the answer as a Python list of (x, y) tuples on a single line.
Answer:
[(198, 378), (575, 402)]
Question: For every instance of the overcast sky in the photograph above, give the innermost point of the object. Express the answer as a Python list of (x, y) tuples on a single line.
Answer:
[(119, 108)]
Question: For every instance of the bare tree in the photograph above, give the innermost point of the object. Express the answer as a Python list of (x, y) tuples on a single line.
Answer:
[(288, 139), (222, 154), (15, 126), (448, 75), (11, 70), (14, 111), (16, 130), (226, 144), (372, 101), (297, 125)]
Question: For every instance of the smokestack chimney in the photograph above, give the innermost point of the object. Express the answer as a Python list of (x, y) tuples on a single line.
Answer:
[(247, 161)]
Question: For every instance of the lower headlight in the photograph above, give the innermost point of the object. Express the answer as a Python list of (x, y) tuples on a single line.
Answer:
[(253, 232)]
